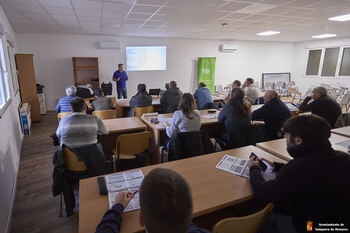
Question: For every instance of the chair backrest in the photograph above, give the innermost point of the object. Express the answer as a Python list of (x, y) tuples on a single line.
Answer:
[(268, 86), (343, 120), (248, 224), (134, 143), (218, 88), (71, 161), (279, 84), (63, 114), (104, 114), (139, 111), (189, 144), (345, 100)]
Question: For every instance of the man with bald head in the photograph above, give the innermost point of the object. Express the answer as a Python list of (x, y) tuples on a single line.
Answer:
[(322, 105), (274, 113)]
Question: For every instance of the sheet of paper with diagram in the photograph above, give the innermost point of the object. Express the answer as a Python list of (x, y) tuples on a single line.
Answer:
[(130, 180), (240, 167)]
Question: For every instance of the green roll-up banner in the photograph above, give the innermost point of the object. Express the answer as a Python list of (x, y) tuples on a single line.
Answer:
[(206, 71)]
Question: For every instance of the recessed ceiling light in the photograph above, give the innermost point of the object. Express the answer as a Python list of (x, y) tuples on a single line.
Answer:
[(324, 36), (340, 18), (268, 33)]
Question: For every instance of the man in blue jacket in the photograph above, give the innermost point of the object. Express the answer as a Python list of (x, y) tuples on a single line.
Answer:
[(120, 78), (203, 96), (63, 104), (166, 205), (274, 113)]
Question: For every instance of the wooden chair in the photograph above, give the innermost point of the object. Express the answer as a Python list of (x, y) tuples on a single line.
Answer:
[(71, 163), (248, 224), (294, 92), (139, 111), (104, 114), (63, 114), (129, 146)]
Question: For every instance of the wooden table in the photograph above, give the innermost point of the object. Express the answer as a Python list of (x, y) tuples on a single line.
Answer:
[(218, 97), (212, 126), (212, 189), (123, 108), (257, 106), (279, 148), (344, 131), (118, 127)]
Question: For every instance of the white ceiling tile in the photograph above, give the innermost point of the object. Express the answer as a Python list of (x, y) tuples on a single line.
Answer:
[(60, 11), (64, 17), (114, 14), (152, 2), (278, 10), (155, 22), (84, 12), (276, 2), (112, 20), (235, 16), (29, 9), (142, 16), (134, 21), (159, 17), (23, 2), (87, 19), (149, 27), (256, 8), (55, 3), (7, 7), (234, 6), (93, 25), (85, 4), (145, 8), (301, 3), (171, 11), (118, 7)]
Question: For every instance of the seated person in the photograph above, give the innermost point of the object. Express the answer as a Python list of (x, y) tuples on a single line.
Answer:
[(311, 187), (187, 118), (274, 113), (236, 84), (80, 128), (156, 204), (170, 99), (235, 114), (166, 88), (203, 96), (251, 91), (63, 104), (101, 102), (322, 105), (141, 99)]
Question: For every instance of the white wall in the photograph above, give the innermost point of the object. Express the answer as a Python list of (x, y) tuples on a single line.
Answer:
[(300, 61), (53, 63), (10, 145)]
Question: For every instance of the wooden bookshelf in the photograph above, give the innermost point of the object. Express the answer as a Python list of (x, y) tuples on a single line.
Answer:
[(85, 71)]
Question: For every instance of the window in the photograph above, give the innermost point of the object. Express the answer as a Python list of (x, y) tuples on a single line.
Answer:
[(345, 63), (11, 54), (313, 62), (330, 61), (5, 94)]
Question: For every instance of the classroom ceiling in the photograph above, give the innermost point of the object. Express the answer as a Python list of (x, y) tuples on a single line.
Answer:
[(297, 20)]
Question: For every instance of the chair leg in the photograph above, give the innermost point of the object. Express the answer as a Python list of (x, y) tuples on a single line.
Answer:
[(162, 156), (114, 163), (60, 205)]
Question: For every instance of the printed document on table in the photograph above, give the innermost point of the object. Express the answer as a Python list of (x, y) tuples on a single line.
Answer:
[(240, 167), (210, 116), (125, 181), (165, 119)]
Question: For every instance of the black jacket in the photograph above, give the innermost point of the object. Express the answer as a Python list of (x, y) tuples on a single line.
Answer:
[(324, 106), (314, 186), (170, 100), (274, 113), (112, 221), (91, 155)]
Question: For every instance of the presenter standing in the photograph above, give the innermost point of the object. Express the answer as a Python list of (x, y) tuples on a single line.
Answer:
[(120, 77)]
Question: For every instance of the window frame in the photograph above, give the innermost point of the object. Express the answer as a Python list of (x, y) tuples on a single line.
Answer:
[(4, 84), (338, 66)]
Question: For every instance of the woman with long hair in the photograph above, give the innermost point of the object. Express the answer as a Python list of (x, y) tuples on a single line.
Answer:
[(187, 118), (235, 114)]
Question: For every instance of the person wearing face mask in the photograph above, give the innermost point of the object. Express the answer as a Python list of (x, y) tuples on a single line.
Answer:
[(311, 187), (322, 105)]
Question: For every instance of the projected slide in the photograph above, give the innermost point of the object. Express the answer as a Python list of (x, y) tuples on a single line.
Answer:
[(146, 58)]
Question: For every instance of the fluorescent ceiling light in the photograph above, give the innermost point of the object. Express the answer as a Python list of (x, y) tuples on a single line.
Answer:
[(324, 36), (340, 18), (268, 33)]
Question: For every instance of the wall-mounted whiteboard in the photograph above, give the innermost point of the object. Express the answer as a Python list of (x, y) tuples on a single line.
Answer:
[(146, 58), (275, 77)]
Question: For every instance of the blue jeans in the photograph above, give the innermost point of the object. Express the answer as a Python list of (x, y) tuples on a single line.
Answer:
[(122, 93)]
